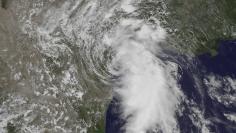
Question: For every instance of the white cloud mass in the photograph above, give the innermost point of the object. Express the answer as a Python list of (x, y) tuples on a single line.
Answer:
[(147, 85)]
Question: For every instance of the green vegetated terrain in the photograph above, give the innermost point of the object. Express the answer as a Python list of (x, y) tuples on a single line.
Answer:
[(90, 111), (194, 26), (201, 24)]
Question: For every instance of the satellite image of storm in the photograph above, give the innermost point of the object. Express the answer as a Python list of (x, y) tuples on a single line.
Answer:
[(117, 66)]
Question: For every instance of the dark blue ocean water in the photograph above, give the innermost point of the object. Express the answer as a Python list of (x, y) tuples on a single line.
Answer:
[(223, 64), (191, 82), (114, 123)]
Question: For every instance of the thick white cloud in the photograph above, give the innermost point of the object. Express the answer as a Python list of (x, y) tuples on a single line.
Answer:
[(147, 87)]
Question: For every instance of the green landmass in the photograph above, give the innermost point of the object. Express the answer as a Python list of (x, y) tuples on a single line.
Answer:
[(194, 26)]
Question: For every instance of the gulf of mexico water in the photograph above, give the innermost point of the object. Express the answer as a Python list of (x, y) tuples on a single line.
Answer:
[(208, 84)]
